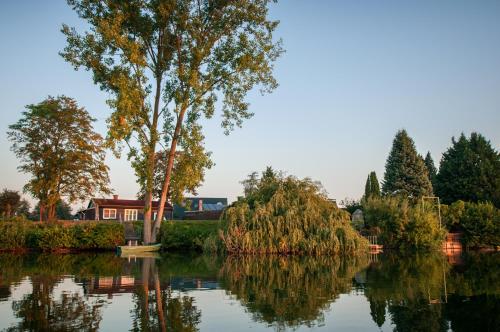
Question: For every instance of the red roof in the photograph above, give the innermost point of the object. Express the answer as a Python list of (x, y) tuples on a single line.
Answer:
[(105, 202)]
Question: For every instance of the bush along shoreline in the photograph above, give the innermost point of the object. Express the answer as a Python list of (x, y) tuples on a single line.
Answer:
[(58, 236), (402, 224), (479, 223)]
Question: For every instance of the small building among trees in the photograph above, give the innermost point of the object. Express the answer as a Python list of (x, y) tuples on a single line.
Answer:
[(120, 209), (200, 208), (357, 219)]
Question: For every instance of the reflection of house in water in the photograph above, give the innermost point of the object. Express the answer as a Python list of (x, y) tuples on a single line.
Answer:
[(129, 284), (110, 285), (187, 284)]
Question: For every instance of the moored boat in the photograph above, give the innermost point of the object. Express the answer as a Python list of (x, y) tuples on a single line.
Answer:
[(139, 248)]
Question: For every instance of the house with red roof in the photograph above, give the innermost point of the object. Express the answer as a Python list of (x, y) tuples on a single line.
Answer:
[(120, 209)]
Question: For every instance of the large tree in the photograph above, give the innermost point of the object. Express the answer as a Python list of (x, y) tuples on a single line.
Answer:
[(405, 171), (166, 63), (372, 187), (470, 171), (57, 146), (431, 168)]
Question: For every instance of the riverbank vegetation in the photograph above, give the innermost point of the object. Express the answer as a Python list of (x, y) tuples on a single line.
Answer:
[(403, 224), (479, 222), (56, 236), (406, 215), (285, 215), (188, 234)]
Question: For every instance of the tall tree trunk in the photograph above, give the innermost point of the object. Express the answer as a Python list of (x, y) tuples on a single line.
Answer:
[(41, 205), (51, 213), (168, 175), (146, 232)]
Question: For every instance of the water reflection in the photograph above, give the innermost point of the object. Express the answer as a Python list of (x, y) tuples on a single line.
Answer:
[(91, 292), (289, 291)]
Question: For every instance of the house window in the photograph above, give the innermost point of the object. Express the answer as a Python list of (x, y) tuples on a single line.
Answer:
[(109, 214), (130, 215)]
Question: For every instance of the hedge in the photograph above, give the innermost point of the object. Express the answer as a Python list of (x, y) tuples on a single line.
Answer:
[(20, 235), (190, 235)]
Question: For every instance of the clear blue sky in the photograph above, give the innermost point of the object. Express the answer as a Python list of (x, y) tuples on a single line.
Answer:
[(354, 73)]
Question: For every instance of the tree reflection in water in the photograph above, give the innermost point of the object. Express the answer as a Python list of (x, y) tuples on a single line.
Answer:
[(420, 292), (426, 293), (157, 308), (289, 291), (40, 311)]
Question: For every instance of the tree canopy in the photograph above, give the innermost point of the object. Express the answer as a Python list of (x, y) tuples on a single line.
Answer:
[(57, 146), (9, 202), (469, 171), (166, 63), (405, 171)]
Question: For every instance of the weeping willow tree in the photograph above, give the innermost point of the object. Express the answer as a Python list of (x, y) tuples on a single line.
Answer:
[(285, 215), (289, 291)]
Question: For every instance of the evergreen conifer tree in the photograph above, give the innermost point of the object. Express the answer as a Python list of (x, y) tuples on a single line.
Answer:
[(374, 185), (431, 168), (405, 170), (469, 171), (368, 187)]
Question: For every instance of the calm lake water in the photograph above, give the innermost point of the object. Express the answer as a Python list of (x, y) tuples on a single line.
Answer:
[(170, 292)]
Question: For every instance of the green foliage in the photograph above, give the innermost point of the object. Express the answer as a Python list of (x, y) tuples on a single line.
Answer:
[(480, 222), (186, 234), (13, 235), (9, 203), (372, 187), (405, 171), (184, 55), (402, 224), (63, 210), (431, 168), (451, 214), (56, 236), (351, 205), (187, 175), (57, 146), (287, 215), (469, 171)]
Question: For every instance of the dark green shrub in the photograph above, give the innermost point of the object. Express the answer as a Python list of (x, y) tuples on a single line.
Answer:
[(481, 224), (187, 234), (54, 237), (451, 214)]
